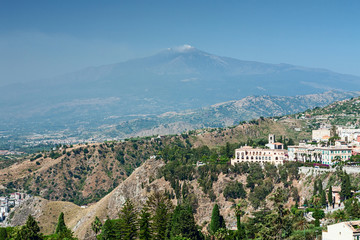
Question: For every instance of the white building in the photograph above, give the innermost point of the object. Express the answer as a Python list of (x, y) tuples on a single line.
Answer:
[(344, 231), (348, 134), (259, 155), (321, 134), (325, 155), (272, 144)]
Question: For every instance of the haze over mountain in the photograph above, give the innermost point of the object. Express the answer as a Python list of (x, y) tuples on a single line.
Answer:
[(172, 80)]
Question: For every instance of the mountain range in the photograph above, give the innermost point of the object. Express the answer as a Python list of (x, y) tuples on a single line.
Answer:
[(173, 80)]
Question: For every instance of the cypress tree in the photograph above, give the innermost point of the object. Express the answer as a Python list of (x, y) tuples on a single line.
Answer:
[(315, 188), (144, 224), (345, 192), (320, 187), (323, 198), (330, 197), (217, 221), (60, 227)]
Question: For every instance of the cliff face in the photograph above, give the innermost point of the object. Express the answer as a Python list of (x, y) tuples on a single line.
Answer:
[(79, 219)]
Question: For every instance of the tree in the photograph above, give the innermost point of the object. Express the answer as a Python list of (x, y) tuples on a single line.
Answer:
[(345, 192), (323, 198), (239, 212), (339, 215), (30, 231), (330, 197), (128, 221), (160, 207), (60, 227), (63, 232), (108, 230), (183, 223), (316, 189), (279, 222), (320, 186), (3, 234), (96, 225), (234, 190), (318, 214), (217, 221), (144, 224)]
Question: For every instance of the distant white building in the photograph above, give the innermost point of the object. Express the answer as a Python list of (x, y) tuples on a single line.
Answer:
[(348, 134), (321, 134), (342, 231)]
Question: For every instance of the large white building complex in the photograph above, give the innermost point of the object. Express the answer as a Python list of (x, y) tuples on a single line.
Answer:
[(275, 155), (258, 155)]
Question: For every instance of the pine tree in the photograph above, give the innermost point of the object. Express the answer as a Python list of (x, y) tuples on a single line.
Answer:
[(330, 197), (144, 224), (160, 207), (60, 227), (183, 223), (108, 230), (217, 221), (31, 230), (128, 221), (323, 198)]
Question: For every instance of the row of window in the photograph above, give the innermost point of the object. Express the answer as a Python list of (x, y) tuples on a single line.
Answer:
[(257, 158)]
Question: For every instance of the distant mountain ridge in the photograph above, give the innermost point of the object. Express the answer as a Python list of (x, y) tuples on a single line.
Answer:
[(175, 79), (227, 113)]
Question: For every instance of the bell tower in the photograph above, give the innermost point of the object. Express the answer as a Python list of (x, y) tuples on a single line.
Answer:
[(271, 138)]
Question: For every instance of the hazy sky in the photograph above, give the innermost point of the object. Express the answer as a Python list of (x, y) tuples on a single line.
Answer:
[(40, 39)]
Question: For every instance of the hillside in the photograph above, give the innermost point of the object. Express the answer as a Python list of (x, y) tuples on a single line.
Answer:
[(141, 184), (225, 114), (85, 173)]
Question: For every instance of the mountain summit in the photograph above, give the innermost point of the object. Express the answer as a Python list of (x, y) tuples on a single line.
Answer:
[(173, 80)]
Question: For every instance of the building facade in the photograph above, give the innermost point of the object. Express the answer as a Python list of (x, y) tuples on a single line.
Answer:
[(322, 134), (259, 155), (344, 231), (325, 155)]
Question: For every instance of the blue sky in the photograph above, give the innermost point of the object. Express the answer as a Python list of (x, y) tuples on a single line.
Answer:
[(40, 39)]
